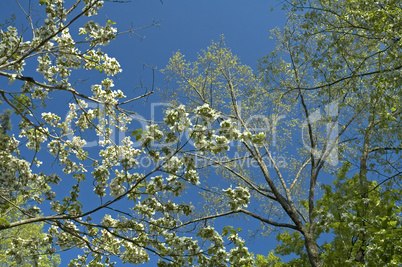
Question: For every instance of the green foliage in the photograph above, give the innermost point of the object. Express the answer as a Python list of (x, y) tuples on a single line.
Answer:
[(347, 217), (25, 245), (373, 223), (269, 261), (137, 134), (349, 52), (216, 78)]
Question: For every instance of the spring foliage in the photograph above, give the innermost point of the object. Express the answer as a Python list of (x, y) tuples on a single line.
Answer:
[(335, 77)]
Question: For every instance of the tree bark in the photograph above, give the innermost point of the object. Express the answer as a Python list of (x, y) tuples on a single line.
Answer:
[(312, 250)]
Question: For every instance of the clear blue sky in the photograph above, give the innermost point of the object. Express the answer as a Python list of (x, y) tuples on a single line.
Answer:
[(185, 25)]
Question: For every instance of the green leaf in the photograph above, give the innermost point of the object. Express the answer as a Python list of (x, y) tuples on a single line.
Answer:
[(4, 223), (226, 230)]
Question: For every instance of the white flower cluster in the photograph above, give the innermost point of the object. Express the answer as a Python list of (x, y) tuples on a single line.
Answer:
[(97, 34), (150, 135), (173, 164), (220, 256), (192, 176), (177, 119), (239, 255), (50, 118), (207, 114), (11, 46), (133, 254), (104, 93), (12, 167), (238, 197), (95, 6), (207, 138), (108, 221), (34, 136), (96, 59)]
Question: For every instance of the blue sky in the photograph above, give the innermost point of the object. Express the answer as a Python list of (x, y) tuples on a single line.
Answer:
[(191, 25), (185, 25)]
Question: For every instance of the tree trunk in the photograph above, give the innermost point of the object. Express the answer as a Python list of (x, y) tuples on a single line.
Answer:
[(312, 250)]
